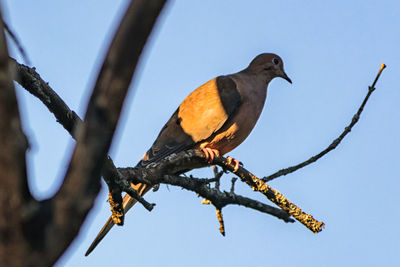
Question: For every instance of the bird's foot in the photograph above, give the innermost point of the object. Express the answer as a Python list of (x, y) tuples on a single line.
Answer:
[(237, 163), (210, 154)]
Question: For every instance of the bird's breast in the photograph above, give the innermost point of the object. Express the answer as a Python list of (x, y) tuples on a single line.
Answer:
[(236, 130)]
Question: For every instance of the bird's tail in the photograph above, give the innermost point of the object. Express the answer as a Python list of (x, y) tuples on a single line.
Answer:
[(127, 203)]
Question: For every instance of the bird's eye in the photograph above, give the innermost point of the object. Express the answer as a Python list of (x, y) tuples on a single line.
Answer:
[(275, 61)]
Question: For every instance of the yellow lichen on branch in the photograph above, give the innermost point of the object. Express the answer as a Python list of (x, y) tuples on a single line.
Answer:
[(205, 202), (276, 197), (117, 212), (281, 201), (221, 222)]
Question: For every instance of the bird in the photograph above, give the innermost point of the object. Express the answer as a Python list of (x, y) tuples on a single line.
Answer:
[(215, 118)]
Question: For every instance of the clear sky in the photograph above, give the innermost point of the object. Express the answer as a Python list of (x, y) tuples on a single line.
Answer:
[(332, 51)]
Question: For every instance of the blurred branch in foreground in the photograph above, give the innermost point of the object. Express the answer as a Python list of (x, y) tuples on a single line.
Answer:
[(36, 233)]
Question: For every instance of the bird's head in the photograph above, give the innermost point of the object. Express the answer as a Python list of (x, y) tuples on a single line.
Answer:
[(268, 66)]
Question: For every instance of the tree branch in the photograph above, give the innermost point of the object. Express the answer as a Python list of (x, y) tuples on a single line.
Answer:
[(221, 222), (335, 142), (15, 198), (121, 183), (273, 195), (29, 79), (192, 159), (162, 172), (17, 43), (71, 204), (218, 198)]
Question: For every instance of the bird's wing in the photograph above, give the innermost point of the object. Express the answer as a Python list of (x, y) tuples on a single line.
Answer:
[(199, 116)]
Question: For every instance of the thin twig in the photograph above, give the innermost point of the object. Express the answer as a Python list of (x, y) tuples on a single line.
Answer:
[(234, 179), (17, 43), (221, 222), (110, 176), (217, 176), (335, 142), (29, 79), (117, 182)]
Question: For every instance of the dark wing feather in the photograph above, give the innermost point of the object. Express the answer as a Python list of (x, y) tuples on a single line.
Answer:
[(199, 116), (171, 139)]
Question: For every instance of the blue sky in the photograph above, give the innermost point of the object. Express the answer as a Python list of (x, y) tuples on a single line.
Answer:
[(332, 51)]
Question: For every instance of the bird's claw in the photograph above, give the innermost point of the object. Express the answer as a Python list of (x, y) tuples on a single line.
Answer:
[(210, 154), (237, 163)]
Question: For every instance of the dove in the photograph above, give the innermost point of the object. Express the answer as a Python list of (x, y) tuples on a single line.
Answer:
[(215, 118)]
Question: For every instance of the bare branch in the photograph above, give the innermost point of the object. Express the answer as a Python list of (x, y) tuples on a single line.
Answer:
[(217, 180), (218, 198), (191, 159), (233, 181), (29, 79), (117, 181), (15, 197), (272, 194), (335, 142), (217, 176), (71, 204), (17, 43)]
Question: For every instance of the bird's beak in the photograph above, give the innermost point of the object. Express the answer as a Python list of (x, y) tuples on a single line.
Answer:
[(284, 76)]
